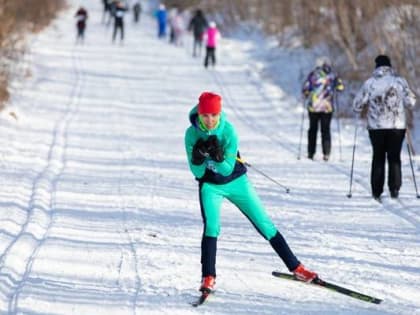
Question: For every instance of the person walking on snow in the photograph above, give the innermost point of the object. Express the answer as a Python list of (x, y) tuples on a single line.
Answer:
[(197, 25), (112, 11), (386, 96), (211, 37), (136, 11), (119, 21), (177, 27), (81, 17), (318, 92), (211, 145), (161, 17), (106, 9)]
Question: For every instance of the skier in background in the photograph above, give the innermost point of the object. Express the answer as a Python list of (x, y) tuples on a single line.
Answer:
[(106, 11), (161, 17), (112, 10), (211, 37), (171, 18), (81, 17), (211, 145), (137, 10), (177, 27), (386, 96), (119, 20), (197, 25), (318, 91)]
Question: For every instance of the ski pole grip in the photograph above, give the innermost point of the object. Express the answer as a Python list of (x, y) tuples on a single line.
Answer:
[(242, 161)]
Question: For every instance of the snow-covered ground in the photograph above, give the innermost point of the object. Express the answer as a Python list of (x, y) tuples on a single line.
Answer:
[(99, 211)]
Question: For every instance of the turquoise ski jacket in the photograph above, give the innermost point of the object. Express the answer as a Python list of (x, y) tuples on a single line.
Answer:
[(211, 171)]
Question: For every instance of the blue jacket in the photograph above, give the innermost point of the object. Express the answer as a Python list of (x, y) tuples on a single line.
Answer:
[(161, 16)]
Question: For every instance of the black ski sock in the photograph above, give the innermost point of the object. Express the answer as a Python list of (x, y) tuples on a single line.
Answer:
[(283, 250), (208, 256)]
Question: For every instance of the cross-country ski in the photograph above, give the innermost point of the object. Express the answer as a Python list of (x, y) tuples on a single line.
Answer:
[(330, 286)]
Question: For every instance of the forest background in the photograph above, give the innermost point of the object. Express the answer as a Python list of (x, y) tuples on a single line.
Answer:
[(350, 33), (20, 18)]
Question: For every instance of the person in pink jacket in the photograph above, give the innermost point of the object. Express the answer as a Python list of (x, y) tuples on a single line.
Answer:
[(211, 38)]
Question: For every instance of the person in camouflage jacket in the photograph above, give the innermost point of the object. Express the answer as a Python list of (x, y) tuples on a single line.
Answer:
[(386, 97)]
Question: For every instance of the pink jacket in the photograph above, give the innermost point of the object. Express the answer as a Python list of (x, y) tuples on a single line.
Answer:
[(212, 36)]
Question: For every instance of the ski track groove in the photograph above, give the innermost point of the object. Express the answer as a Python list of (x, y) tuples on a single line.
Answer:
[(128, 235), (256, 125), (48, 177)]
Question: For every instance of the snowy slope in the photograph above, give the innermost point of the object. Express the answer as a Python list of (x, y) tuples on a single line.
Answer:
[(100, 212)]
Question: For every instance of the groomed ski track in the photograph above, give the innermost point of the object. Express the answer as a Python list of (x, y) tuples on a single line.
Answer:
[(100, 212)]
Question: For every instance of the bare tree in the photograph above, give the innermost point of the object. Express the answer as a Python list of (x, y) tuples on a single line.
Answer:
[(17, 19)]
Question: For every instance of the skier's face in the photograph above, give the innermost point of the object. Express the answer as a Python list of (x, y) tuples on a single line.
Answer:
[(210, 120)]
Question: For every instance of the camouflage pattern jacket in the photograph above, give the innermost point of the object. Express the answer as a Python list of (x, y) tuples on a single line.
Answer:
[(386, 95)]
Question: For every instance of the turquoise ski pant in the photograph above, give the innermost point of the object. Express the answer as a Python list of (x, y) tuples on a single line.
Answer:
[(242, 194)]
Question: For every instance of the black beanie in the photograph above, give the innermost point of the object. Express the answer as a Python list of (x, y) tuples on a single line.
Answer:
[(382, 60)]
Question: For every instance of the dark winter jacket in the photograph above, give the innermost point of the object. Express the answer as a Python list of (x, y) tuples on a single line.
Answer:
[(81, 16), (119, 15), (137, 7), (198, 25), (386, 95), (211, 171)]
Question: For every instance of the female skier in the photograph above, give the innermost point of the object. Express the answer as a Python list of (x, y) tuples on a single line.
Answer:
[(211, 145)]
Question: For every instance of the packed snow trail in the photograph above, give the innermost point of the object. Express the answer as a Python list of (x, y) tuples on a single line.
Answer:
[(100, 212)]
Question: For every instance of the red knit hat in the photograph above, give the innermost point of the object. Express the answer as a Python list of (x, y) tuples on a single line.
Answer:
[(209, 103)]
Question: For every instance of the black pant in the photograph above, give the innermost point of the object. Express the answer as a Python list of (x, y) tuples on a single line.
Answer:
[(136, 12), (314, 119), (386, 143), (80, 32), (210, 54), (117, 26), (198, 42)]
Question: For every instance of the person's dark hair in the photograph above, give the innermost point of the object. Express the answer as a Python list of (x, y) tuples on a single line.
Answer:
[(326, 67), (382, 60)]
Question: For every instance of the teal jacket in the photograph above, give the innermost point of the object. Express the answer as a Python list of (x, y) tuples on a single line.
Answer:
[(211, 171)]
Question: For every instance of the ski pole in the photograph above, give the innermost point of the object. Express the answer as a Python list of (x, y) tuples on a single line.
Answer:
[(412, 168), (263, 174), (338, 126), (352, 162), (301, 127)]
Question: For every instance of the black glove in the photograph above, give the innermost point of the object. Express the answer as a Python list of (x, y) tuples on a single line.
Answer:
[(199, 152), (214, 149)]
